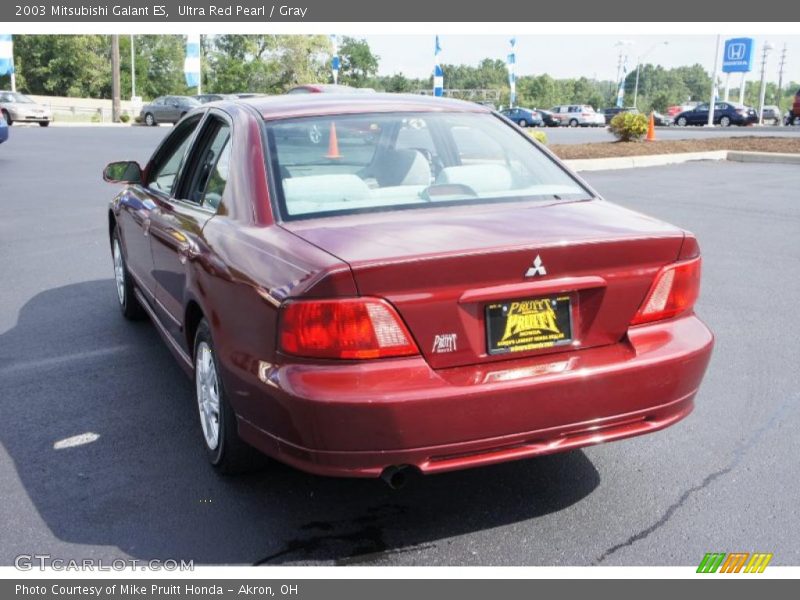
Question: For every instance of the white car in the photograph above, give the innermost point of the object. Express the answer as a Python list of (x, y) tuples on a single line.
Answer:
[(575, 115), (16, 107)]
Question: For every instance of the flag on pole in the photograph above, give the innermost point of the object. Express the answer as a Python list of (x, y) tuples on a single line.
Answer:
[(621, 90), (438, 74), (511, 62), (6, 54), (191, 65), (335, 60)]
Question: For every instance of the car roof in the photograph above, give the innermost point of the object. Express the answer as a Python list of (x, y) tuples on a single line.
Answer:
[(307, 105)]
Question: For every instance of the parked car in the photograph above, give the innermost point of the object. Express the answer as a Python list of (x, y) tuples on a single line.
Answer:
[(673, 111), (660, 120), (612, 111), (772, 114), (725, 114), (167, 109), (368, 308), (548, 119), (575, 115), (3, 130), (206, 98), (16, 107), (328, 88), (523, 117), (793, 117)]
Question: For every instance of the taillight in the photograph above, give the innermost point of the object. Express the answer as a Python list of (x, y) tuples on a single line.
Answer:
[(674, 291), (347, 328)]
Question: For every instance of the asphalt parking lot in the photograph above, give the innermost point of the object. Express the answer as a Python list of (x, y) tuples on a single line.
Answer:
[(726, 479)]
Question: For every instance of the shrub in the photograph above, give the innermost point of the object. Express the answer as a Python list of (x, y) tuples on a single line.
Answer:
[(629, 127), (539, 136), (124, 117)]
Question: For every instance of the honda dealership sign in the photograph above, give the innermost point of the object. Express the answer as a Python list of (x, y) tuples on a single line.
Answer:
[(738, 57)]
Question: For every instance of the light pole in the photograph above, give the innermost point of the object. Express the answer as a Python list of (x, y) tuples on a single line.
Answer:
[(638, 68), (767, 48), (713, 100)]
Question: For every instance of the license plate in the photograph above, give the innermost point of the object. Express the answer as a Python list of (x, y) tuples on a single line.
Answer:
[(532, 324)]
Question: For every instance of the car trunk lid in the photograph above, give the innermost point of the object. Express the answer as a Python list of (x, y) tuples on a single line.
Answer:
[(442, 267)]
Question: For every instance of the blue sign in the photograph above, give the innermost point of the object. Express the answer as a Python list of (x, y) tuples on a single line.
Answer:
[(738, 57)]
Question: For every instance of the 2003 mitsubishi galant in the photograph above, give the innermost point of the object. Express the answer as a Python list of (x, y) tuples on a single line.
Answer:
[(361, 284)]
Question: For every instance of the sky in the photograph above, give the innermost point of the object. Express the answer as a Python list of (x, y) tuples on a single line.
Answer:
[(564, 56)]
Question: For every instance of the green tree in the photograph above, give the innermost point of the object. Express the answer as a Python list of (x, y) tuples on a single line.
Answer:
[(264, 63), (358, 63), (63, 65)]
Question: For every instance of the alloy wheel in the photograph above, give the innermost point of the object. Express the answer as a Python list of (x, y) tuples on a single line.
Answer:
[(207, 384), (119, 273)]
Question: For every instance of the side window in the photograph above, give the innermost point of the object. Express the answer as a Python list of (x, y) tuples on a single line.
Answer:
[(210, 165), (168, 164)]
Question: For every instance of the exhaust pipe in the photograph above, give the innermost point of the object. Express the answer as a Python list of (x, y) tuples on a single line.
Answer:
[(395, 476)]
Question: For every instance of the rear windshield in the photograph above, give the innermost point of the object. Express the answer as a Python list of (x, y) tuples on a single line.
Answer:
[(372, 162)]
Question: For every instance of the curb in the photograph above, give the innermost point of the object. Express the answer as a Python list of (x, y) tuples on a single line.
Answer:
[(657, 160), (764, 157)]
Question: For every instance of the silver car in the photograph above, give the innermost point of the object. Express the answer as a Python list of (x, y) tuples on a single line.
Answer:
[(772, 114), (16, 107), (167, 109), (574, 115)]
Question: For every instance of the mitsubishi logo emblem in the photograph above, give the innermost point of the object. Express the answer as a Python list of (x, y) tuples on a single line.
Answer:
[(537, 268)]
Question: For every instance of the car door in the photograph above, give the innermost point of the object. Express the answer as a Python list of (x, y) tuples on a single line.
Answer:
[(177, 225), (157, 108), (142, 201), (699, 115)]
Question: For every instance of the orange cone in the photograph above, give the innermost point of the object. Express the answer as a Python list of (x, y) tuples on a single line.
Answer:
[(651, 129), (333, 143)]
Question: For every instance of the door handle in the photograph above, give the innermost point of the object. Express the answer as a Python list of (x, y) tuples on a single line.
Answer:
[(186, 251)]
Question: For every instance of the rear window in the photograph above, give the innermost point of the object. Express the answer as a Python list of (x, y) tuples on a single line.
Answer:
[(375, 162)]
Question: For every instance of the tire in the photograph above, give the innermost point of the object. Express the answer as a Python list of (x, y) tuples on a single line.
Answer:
[(681, 122), (522, 123), (725, 121), (44, 123), (225, 450), (150, 120), (573, 122), (7, 118), (128, 304)]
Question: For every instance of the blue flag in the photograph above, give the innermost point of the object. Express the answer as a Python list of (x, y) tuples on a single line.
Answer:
[(6, 54), (438, 74)]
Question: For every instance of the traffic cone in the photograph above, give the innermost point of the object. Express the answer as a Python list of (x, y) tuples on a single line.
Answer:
[(333, 143), (651, 129)]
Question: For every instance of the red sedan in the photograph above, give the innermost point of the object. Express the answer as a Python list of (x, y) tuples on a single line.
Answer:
[(440, 294)]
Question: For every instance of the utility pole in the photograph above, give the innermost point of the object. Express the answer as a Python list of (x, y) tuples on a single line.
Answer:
[(780, 76), (762, 93), (115, 84), (133, 69)]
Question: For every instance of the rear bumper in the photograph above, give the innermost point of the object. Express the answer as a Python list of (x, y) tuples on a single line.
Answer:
[(355, 420)]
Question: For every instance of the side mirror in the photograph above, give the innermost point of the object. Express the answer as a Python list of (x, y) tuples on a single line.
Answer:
[(126, 171)]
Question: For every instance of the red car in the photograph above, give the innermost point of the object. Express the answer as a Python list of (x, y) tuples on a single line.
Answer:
[(442, 295)]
